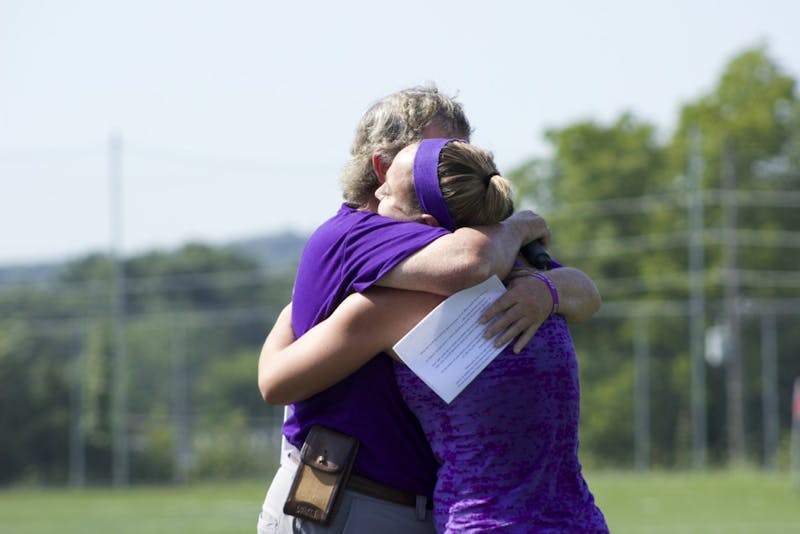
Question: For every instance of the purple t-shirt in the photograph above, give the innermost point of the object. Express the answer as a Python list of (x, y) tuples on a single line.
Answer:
[(346, 254)]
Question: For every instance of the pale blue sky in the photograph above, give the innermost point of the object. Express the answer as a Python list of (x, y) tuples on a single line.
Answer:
[(236, 116)]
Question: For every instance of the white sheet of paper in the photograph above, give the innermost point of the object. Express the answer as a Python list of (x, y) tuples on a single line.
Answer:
[(447, 349)]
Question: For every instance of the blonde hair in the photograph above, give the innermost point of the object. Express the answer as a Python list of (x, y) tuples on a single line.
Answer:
[(474, 192), (390, 124)]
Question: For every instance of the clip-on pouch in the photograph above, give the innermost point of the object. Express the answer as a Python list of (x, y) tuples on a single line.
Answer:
[(326, 459)]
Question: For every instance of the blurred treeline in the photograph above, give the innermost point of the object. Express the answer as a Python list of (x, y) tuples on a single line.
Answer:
[(194, 321), (693, 240)]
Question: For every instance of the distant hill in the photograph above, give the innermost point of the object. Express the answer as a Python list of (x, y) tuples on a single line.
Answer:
[(277, 253), (36, 273)]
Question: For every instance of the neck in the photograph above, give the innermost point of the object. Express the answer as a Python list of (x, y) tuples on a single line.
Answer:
[(372, 205)]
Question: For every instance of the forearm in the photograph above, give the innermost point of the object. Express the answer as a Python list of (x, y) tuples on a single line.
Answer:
[(362, 326), (292, 370), (466, 257), (273, 355), (579, 298)]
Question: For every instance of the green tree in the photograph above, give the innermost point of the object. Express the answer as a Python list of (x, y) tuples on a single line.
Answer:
[(749, 129), (194, 318), (616, 197), (597, 193)]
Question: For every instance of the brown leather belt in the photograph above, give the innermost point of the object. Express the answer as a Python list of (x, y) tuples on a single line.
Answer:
[(386, 493)]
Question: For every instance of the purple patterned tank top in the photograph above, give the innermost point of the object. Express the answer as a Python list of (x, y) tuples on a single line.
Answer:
[(508, 444)]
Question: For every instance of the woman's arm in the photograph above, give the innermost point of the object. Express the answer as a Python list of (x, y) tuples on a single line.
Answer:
[(467, 256), (579, 298), (362, 326)]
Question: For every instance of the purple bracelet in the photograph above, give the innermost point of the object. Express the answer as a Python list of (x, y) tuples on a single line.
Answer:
[(551, 287)]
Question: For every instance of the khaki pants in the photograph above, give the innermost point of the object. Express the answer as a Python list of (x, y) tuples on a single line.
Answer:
[(357, 514)]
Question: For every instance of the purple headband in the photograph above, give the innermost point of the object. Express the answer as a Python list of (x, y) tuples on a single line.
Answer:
[(426, 180)]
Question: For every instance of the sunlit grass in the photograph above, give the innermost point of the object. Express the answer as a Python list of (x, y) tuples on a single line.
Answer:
[(693, 502), (660, 502), (195, 509)]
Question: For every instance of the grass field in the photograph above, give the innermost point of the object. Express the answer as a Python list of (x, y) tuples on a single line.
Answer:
[(663, 502)]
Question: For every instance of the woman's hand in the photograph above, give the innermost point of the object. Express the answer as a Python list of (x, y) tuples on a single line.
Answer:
[(520, 311)]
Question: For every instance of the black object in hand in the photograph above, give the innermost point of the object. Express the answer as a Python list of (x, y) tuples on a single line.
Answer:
[(535, 253)]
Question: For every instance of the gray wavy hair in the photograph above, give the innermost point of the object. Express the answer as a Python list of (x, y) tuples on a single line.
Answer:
[(390, 124)]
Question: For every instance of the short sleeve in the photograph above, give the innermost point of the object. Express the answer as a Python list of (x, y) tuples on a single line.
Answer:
[(349, 253), (376, 246)]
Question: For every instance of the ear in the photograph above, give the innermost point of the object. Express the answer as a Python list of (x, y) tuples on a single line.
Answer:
[(430, 220), (379, 166)]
